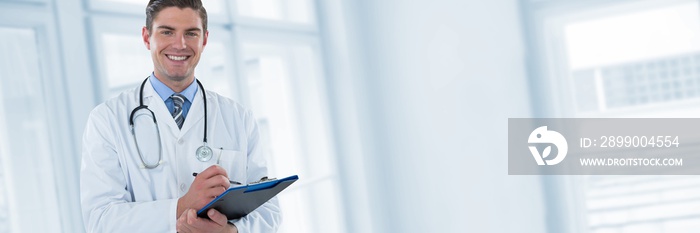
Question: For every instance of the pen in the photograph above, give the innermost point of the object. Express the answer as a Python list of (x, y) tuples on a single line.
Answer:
[(230, 181)]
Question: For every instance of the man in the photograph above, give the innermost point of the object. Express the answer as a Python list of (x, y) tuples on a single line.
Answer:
[(134, 183)]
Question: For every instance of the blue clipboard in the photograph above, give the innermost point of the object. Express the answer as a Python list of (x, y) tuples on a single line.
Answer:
[(239, 201)]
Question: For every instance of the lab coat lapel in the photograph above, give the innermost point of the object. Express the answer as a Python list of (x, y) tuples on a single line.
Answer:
[(157, 105)]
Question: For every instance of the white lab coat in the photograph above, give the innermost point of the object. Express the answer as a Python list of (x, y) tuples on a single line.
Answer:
[(117, 195)]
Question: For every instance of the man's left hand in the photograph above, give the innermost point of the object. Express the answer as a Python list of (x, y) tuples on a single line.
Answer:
[(190, 223)]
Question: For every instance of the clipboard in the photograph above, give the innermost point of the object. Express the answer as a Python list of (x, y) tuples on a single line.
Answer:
[(239, 201)]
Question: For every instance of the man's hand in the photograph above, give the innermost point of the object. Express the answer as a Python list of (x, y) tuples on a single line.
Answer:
[(206, 186), (190, 223)]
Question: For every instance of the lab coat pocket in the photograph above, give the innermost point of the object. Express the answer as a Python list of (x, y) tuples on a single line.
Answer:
[(234, 162)]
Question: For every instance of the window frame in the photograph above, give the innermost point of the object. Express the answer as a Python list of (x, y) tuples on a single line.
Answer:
[(550, 69), (253, 22), (98, 27), (36, 15), (294, 38), (544, 23), (138, 10)]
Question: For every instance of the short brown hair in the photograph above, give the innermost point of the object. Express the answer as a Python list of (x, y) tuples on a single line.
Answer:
[(155, 6)]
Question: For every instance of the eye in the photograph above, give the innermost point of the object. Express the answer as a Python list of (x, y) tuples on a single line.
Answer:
[(192, 34), (167, 33)]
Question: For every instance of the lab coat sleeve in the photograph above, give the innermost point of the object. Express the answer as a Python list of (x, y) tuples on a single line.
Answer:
[(266, 218), (107, 206)]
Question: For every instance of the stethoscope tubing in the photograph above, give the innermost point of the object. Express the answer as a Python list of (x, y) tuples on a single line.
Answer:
[(142, 106)]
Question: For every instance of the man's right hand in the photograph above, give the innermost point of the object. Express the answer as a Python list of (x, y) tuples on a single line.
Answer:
[(206, 186)]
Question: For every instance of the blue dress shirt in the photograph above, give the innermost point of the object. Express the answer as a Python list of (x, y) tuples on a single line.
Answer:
[(165, 92)]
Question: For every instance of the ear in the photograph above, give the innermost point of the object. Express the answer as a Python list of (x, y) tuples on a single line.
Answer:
[(146, 37), (206, 38)]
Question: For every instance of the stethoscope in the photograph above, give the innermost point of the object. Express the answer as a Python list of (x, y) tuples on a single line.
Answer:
[(203, 153)]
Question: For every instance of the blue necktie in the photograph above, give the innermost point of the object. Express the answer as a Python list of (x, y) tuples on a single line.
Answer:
[(178, 101)]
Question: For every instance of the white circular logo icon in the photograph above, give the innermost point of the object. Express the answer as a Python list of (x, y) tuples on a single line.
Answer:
[(542, 135)]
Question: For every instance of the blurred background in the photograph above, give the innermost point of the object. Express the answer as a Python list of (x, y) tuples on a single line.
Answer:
[(394, 113)]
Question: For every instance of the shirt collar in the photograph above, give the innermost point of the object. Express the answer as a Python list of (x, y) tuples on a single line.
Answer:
[(165, 92)]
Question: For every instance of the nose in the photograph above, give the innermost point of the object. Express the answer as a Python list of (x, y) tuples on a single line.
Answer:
[(179, 42)]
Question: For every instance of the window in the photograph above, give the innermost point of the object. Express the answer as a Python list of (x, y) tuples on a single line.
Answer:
[(216, 63), (622, 59), (297, 11), (635, 59), (286, 91), (126, 60), (643, 203), (23, 115)]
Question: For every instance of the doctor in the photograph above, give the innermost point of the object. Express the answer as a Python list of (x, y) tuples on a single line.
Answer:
[(140, 179)]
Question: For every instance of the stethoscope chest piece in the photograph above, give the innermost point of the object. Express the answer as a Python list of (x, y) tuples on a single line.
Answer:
[(204, 153)]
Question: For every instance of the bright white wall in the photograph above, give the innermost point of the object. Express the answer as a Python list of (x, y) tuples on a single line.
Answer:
[(435, 84)]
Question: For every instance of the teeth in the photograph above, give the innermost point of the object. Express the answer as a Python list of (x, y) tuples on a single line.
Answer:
[(177, 58)]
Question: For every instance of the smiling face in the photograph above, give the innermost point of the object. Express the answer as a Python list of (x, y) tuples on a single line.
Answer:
[(176, 43)]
